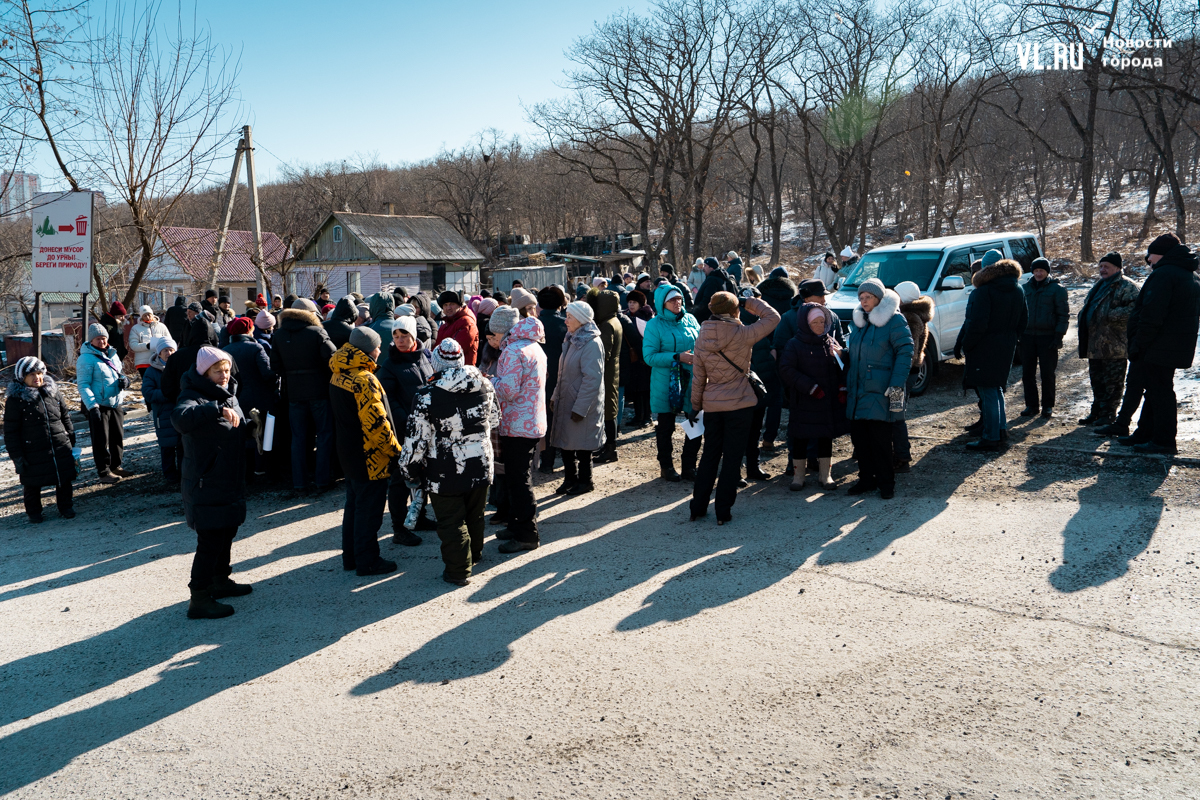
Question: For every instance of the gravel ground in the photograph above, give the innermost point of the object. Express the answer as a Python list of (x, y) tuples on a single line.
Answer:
[(1015, 625)]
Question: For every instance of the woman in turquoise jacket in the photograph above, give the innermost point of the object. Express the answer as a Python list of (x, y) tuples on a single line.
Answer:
[(100, 380), (667, 348)]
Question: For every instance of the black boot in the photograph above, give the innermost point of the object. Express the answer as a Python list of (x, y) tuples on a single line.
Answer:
[(546, 467), (204, 607), (225, 587), (570, 476), (405, 538), (667, 473)]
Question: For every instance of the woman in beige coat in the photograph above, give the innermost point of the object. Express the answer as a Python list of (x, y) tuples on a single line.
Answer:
[(721, 389)]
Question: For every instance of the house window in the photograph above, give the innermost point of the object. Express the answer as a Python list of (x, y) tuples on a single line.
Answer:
[(291, 283), (337, 233), (353, 282), (178, 291)]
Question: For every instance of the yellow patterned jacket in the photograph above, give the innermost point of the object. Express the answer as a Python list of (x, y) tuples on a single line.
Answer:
[(366, 436)]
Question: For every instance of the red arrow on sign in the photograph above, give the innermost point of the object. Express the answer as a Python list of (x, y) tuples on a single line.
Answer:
[(66, 228)]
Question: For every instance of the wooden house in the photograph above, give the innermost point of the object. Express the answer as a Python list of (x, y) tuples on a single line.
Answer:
[(182, 259), (361, 252)]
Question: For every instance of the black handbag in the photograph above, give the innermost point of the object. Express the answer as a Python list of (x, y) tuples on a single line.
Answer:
[(756, 384)]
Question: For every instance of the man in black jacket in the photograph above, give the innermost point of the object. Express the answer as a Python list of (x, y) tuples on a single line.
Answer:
[(1162, 338), (551, 302), (1049, 316), (176, 319), (300, 353), (341, 321), (716, 280)]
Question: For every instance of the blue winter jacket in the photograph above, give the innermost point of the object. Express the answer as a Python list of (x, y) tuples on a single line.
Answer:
[(96, 376), (160, 407), (666, 335), (880, 352)]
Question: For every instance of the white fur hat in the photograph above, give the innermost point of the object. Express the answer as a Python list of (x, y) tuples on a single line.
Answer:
[(846, 252), (908, 291)]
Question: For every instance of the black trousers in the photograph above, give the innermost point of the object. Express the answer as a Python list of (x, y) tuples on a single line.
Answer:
[(550, 453), (517, 454), (901, 446), (211, 561), (802, 444), (641, 406), (756, 423), (1157, 422), (362, 518), (664, 427), (460, 528), (108, 437), (725, 434), (171, 460), (1039, 352), (33, 499), (577, 465), (1135, 388), (873, 442), (610, 436)]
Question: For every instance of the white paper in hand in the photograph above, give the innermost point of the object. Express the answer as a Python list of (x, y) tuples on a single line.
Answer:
[(692, 431), (269, 433)]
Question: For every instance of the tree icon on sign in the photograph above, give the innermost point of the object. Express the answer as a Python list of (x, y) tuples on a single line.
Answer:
[(45, 229)]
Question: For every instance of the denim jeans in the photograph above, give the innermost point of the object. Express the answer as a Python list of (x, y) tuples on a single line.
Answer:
[(994, 418), (308, 418)]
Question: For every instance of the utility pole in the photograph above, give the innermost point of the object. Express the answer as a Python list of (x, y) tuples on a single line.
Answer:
[(245, 148)]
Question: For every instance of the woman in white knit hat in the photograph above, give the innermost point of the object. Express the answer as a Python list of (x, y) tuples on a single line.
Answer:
[(578, 400), (148, 327)]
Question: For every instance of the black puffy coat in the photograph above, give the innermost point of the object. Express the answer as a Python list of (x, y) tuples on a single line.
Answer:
[(199, 334), (38, 434), (340, 324), (1046, 304), (214, 453), (554, 323), (1166, 315), (779, 292), (996, 317), (635, 372), (762, 362), (717, 281), (176, 320), (300, 353), (258, 385), (401, 376), (807, 359)]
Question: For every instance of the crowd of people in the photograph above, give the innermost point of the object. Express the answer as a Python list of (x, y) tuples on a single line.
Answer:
[(436, 407)]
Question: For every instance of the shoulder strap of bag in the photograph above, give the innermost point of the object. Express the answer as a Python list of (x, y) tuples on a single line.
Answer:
[(721, 353)]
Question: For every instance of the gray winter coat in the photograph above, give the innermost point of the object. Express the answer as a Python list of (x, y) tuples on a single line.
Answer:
[(880, 351), (580, 390)]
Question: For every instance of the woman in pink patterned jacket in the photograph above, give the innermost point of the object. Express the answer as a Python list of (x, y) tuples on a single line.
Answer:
[(520, 385)]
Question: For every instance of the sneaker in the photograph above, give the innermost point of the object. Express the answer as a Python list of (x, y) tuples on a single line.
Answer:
[(381, 567), (743, 483), (404, 537), (108, 477), (226, 587), (124, 473), (516, 546)]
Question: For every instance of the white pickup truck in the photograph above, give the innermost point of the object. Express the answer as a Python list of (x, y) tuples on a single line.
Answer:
[(942, 268)]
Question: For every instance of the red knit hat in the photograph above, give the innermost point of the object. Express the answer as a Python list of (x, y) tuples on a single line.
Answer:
[(240, 325), (260, 301), (117, 309)]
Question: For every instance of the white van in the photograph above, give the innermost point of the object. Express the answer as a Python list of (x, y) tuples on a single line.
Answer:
[(942, 268)]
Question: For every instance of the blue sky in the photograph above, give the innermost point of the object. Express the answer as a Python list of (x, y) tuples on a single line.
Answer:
[(326, 81)]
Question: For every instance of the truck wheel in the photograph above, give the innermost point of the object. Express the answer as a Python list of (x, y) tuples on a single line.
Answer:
[(920, 380)]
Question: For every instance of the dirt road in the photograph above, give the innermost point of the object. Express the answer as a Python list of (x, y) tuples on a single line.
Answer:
[(1010, 626)]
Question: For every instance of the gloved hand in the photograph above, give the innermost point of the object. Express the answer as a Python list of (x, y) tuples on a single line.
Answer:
[(817, 392), (94, 413), (692, 416), (577, 417), (842, 395), (1058, 342), (122, 382)]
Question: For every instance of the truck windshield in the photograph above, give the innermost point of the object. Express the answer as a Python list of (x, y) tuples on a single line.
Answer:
[(895, 267)]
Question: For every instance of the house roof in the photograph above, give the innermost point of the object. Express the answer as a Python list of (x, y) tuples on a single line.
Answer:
[(397, 238), (193, 249)]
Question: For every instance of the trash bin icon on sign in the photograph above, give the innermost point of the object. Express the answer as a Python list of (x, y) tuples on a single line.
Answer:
[(81, 224)]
